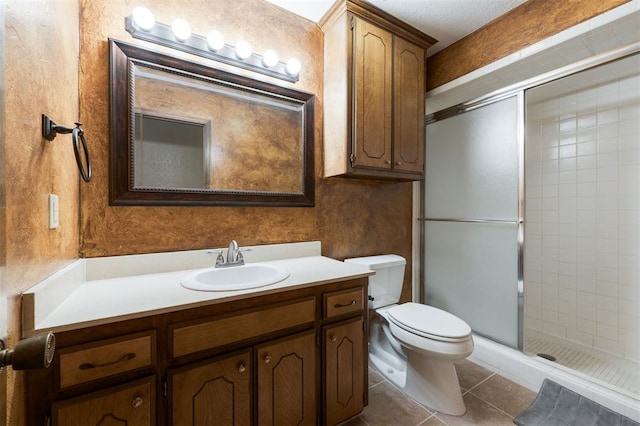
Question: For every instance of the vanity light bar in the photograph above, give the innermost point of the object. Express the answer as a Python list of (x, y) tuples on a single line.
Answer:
[(198, 45)]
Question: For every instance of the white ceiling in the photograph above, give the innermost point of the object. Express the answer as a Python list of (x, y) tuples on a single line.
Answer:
[(445, 20)]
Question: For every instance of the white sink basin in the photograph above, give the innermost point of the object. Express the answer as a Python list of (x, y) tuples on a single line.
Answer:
[(251, 275)]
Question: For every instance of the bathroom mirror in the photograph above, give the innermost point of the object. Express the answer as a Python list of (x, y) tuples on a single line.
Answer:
[(182, 133)]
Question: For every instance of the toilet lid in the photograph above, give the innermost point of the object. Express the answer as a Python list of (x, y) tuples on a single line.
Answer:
[(428, 321)]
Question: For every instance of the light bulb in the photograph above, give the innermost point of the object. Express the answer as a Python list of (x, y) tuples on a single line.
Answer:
[(181, 29), (269, 58), (215, 40), (293, 66), (143, 18), (243, 50)]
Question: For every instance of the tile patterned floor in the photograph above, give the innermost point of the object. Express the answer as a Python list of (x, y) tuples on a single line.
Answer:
[(491, 400)]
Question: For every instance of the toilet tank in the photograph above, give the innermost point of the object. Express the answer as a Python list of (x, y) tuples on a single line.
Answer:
[(386, 285)]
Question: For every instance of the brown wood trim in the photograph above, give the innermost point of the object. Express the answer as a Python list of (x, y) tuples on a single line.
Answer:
[(96, 360), (235, 328)]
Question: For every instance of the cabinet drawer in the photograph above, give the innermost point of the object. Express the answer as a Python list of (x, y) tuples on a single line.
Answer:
[(343, 302), (105, 358), (218, 332), (132, 404)]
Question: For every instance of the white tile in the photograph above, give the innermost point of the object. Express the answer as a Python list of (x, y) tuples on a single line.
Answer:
[(609, 345), (609, 318), (607, 303), (586, 161), (580, 337)]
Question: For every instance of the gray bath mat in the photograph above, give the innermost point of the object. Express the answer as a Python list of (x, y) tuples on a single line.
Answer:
[(556, 405)]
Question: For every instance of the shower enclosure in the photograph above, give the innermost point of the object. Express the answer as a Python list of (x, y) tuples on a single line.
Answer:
[(532, 218)]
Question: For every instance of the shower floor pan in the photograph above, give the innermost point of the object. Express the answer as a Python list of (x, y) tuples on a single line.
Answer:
[(615, 371)]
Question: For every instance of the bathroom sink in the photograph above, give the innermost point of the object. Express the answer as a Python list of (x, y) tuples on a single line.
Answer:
[(251, 275)]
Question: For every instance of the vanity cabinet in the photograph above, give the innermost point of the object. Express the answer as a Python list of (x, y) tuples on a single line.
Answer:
[(219, 391), (212, 392), (374, 92), (294, 356), (344, 378), (130, 404), (286, 372)]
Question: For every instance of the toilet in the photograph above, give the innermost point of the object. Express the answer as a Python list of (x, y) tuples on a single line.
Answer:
[(414, 346)]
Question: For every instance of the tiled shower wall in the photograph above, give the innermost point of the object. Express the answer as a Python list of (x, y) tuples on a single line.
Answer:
[(582, 229)]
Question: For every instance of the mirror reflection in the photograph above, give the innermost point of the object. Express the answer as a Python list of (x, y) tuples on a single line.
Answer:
[(203, 136)]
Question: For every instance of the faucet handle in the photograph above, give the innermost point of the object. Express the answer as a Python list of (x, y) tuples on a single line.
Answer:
[(239, 256), (219, 258)]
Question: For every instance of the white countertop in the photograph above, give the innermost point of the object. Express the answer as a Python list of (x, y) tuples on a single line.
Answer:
[(101, 301)]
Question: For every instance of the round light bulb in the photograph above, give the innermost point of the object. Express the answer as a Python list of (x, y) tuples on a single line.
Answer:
[(270, 58), (215, 40), (243, 50), (181, 29), (293, 66), (143, 18)]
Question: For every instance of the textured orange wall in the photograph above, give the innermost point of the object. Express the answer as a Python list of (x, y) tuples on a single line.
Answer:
[(350, 218), (41, 76), (527, 24)]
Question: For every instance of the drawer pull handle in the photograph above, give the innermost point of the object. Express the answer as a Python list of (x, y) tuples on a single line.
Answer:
[(242, 368), (344, 305), (137, 402), (267, 359), (89, 365)]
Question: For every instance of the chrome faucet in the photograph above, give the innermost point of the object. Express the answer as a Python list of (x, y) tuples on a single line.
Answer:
[(232, 252), (234, 256)]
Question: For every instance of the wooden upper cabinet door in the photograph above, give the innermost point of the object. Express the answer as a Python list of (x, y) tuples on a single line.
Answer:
[(372, 86), (286, 381), (409, 97), (344, 372), (217, 392)]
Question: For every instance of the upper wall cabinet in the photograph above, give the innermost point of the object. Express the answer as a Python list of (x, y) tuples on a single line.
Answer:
[(374, 94)]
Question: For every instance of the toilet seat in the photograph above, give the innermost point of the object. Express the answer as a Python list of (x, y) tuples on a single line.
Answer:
[(429, 322)]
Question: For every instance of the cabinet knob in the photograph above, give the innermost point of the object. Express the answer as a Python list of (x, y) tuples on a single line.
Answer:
[(334, 338), (267, 359), (399, 163), (388, 162), (137, 402), (242, 368)]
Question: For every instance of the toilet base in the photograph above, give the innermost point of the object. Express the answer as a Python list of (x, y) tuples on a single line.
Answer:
[(440, 393), (434, 383)]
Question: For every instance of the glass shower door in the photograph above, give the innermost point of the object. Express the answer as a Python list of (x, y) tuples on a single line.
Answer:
[(473, 218)]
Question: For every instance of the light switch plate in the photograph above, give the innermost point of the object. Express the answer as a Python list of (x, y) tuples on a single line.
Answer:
[(54, 212)]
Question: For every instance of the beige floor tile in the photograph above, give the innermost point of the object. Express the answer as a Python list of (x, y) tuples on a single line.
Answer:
[(374, 377), (356, 421), (478, 413), (508, 396), (433, 421), (388, 406), (470, 374)]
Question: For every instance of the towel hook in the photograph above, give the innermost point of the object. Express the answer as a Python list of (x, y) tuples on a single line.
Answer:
[(50, 130)]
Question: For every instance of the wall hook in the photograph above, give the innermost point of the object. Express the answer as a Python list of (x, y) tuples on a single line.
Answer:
[(50, 130)]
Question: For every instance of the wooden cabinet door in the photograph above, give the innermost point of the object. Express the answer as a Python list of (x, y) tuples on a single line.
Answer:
[(372, 95), (409, 109), (344, 370), (217, 392), (286, 381), (131, 404)]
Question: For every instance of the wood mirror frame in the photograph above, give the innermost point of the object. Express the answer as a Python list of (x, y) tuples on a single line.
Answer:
[(123, 58)]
